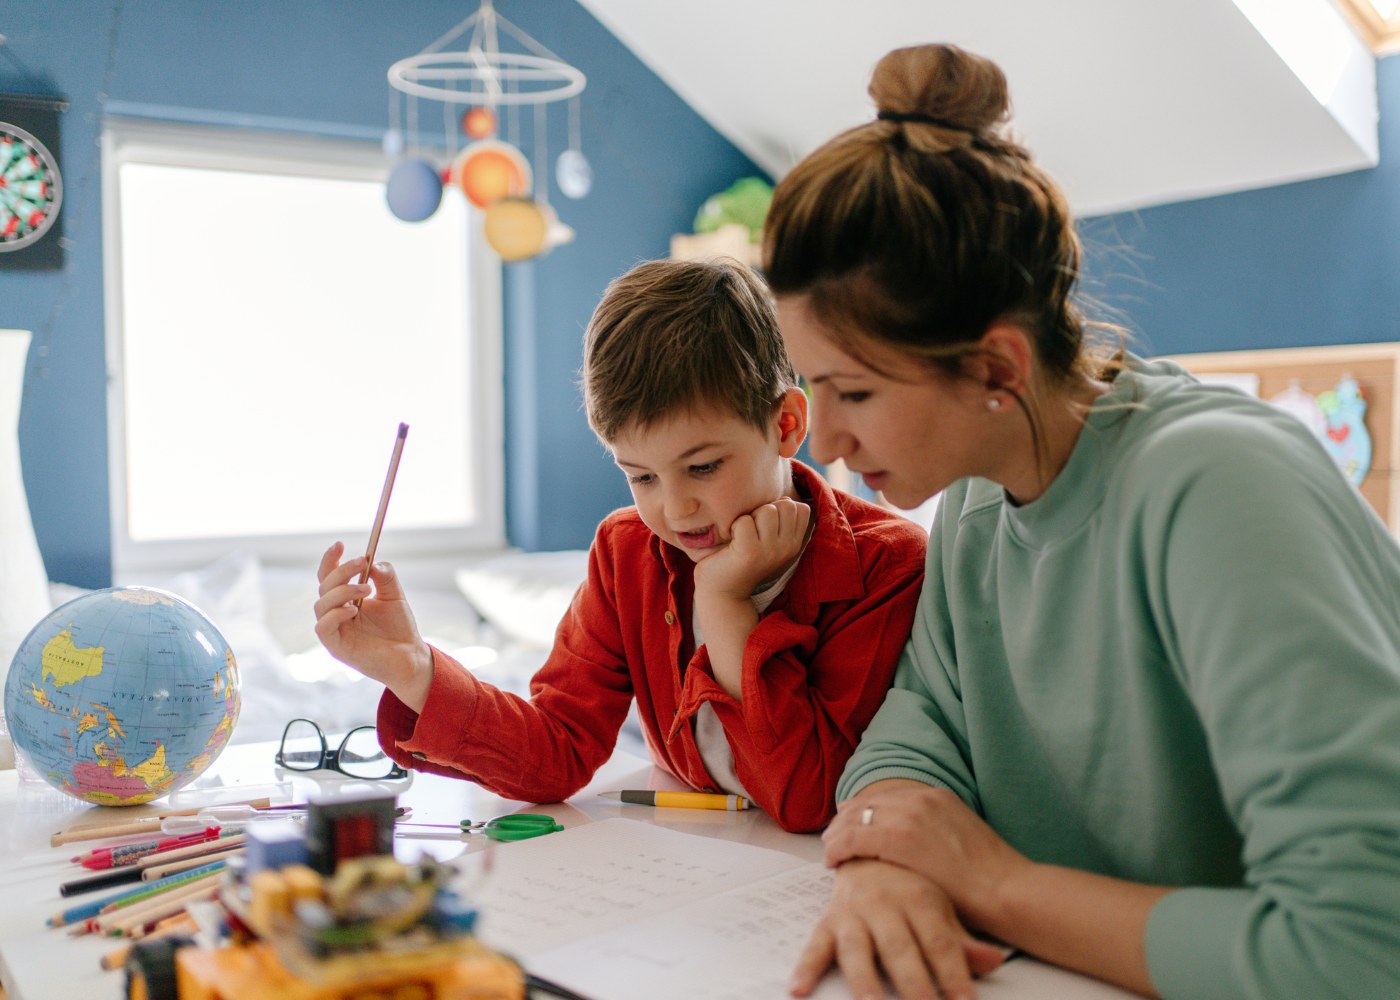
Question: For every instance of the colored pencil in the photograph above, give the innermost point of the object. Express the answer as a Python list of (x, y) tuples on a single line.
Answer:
[(198, 850), (140, 871), (153, 889), (109, 878), (384, 494), (156, 873), (89, 910), (180, 923), (157, 907), (145, 824), (130, 854)]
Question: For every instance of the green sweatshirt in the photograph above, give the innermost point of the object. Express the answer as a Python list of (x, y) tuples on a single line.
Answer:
[(1179, 666)]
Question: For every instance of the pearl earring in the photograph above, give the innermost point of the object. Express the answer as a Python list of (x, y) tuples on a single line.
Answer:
[(993, 403)]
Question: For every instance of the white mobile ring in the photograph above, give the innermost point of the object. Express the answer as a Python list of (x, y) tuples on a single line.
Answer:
[(867, 816)]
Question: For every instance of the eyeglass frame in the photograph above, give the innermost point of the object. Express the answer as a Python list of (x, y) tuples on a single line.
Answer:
[(331, 761)]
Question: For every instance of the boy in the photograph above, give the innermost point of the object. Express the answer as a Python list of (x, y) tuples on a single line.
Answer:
[(753, 613)]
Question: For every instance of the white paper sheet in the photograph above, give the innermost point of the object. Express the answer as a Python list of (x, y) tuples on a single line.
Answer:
[(624, 910), (594, 878)]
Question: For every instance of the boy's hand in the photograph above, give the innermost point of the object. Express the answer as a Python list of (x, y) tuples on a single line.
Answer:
[(761, 545), (379, 638)]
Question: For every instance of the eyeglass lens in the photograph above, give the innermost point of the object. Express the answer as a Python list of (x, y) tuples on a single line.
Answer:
[(361, 756), (303, 746)]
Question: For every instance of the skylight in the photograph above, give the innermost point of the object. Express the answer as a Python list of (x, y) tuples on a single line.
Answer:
[(1310, 36), (1386, 8)]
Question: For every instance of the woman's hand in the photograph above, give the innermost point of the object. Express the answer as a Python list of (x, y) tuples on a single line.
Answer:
[(882, 916), (930, 831), (379, 638), (1077, 919)]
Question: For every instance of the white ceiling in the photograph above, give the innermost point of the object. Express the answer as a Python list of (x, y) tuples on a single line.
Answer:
[(1128, 103)]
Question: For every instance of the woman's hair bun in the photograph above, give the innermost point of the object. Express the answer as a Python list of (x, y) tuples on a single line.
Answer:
[(944, 83)]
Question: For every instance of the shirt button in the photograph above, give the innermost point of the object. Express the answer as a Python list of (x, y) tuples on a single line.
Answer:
[(670, 618), (418, 756)]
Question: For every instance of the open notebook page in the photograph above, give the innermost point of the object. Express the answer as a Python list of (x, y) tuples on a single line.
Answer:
[(626, 910)]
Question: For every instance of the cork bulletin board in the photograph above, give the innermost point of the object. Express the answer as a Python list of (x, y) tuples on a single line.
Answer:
[(1316, 370)]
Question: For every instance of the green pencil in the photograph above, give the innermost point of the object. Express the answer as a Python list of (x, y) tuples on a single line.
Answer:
[(163, 885)]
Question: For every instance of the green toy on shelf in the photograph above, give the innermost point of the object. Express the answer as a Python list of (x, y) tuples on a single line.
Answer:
[(744, 202)]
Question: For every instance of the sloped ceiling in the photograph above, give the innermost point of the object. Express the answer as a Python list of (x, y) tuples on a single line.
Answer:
[(1128, 103)]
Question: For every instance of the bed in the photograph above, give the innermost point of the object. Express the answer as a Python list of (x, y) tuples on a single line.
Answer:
[(496, 615)]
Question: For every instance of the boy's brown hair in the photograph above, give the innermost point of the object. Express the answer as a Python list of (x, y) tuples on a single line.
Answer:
[(671, 335)]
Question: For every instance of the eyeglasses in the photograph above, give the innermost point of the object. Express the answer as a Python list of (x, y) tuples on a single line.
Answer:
[(359, 755)]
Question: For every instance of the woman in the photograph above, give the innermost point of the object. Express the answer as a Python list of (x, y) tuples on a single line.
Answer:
[(1147, 724)]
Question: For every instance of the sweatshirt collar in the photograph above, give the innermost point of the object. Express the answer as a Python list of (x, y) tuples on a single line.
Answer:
[(1077, 492)]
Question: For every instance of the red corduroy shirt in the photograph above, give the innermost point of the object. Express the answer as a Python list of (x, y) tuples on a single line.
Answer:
[(816, 667)]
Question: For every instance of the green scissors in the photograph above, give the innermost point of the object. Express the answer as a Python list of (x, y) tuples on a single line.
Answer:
[(517, 826), (520, 826)]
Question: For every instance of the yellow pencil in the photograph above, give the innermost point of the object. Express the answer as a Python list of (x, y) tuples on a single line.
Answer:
[(679, 800)]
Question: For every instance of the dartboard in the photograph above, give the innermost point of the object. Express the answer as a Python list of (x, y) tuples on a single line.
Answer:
[(30, 188)]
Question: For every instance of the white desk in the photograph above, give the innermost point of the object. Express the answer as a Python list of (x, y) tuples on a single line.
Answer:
[(38, 962)]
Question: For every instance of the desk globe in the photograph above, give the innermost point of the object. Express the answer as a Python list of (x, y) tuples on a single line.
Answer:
[(122, 695)]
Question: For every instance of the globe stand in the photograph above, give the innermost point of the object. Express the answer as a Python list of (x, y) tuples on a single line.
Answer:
[(31, 781)]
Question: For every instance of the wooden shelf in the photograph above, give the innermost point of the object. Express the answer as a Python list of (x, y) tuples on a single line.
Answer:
[(731, 240)]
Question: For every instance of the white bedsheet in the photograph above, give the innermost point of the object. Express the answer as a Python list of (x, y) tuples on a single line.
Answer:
[(266, 615)]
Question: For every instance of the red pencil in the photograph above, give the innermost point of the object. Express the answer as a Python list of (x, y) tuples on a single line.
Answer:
[(129, 854)]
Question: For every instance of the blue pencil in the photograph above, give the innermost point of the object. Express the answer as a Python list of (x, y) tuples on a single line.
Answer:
[(87, 911)]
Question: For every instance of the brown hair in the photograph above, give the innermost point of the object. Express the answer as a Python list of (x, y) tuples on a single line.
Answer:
[(924, 227), (673, 335)]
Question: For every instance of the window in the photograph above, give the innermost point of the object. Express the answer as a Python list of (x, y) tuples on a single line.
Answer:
[(270, 323), (1377, 21)]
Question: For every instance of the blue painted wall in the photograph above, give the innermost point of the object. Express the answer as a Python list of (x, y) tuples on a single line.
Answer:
[(1317, 262), (1310, 263), (319, 66)]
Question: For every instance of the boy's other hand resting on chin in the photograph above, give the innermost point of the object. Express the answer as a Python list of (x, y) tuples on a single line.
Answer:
[(762, 544)]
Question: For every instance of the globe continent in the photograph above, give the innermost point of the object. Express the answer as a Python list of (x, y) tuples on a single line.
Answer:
[(122, 695)]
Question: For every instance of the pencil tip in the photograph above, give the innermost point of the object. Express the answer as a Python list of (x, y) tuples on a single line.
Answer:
[(609, 795)]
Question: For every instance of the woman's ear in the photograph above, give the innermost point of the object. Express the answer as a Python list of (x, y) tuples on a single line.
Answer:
[(1004, 363), (792, 422)]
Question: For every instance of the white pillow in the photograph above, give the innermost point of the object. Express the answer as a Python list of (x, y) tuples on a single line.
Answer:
[(228, 590), (524, 594), (289, 592)]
